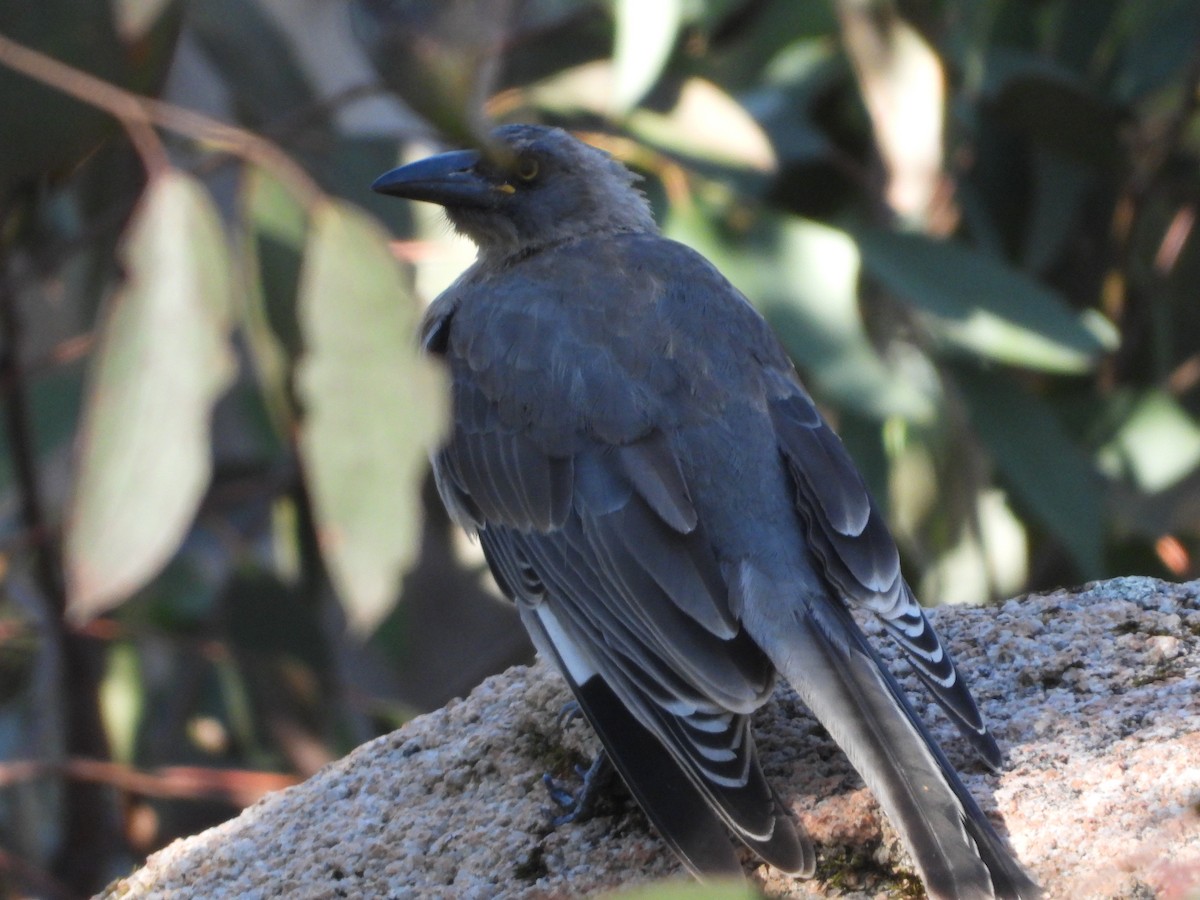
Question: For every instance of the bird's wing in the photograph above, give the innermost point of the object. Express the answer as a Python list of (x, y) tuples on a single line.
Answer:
[(847, 534), (683, 815), (599, 543)]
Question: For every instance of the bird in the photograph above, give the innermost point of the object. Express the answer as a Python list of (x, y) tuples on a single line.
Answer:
[(677, 524)]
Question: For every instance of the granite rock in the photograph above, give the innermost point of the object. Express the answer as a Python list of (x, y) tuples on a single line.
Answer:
[(1094, 694)]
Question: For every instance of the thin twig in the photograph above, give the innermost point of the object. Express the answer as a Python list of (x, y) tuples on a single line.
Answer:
[(137, 113), (1185, 376), (239, 787), (90, 89)]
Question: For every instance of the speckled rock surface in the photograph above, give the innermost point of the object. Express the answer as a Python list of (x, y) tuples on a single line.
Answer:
[(1094, 694)]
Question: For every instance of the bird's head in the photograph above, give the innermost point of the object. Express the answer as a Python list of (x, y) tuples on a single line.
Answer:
[(541, 187)]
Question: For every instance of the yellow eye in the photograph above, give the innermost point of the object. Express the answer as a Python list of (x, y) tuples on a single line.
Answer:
[(527, 169)]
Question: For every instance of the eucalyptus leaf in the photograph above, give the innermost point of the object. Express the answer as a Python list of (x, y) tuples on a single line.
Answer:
[(815, 309), (1157, 444), (162, 361), (707, 125), (979, 303), (902, 84), (274, 234), (1043, 465), (1060, 189), (373, 408), (645, 36)]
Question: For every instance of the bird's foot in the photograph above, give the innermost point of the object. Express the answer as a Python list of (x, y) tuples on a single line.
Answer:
[(571, 710), (578, 806)]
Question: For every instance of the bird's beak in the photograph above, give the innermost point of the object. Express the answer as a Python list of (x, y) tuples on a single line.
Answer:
[(449, 179)]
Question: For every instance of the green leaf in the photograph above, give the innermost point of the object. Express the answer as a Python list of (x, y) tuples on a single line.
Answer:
[(162, 361), (1060, 189), (374, 406), (1157, 444), (274, 226), (979, 303), (901, 81), (706, 125), (1042, 464), (815, 309), (645, 37)]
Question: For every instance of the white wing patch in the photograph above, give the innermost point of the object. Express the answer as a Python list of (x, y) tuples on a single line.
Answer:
[(578, 666)]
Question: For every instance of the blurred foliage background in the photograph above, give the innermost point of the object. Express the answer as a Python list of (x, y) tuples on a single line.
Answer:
[(971, 221)]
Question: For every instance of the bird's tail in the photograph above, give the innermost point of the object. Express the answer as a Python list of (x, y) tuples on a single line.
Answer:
[(844, 683)]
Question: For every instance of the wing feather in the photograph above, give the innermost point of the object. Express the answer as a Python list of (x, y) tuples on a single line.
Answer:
[(850, 539), (631, 582)]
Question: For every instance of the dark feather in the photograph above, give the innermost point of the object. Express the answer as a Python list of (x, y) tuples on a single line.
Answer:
[(849, 537), (653, 469), (958, 854), (683, 815), (672, 675)]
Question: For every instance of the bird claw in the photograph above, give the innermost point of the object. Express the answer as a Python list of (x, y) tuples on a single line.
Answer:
[(579, 806), (571, 710), (561, 797)]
